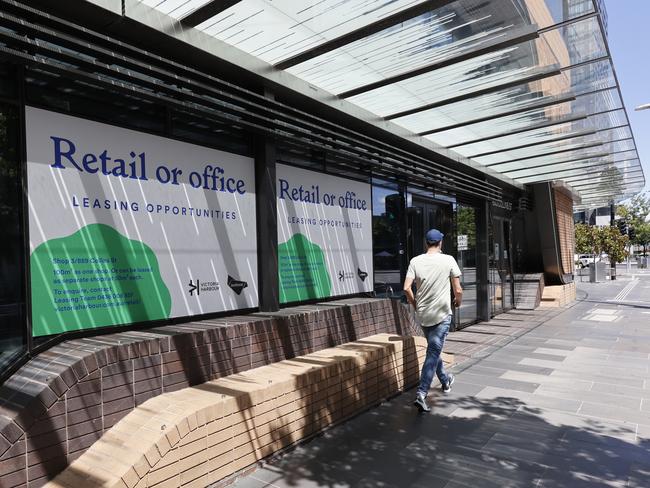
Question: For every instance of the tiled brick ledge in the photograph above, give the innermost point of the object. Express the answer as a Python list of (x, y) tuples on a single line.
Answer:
[(62, 401), (559, 295), (203, 434)]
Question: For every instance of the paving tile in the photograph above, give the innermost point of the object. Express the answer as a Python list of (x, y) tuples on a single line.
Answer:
[(486, 380), (615, 413), (546, 380), (567, 391), (532, 400), (542, 401)]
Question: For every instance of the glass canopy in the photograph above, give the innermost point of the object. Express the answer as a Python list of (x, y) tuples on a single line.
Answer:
[(526, 88)]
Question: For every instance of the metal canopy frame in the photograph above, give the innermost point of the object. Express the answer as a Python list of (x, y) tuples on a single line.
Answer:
[(570, 135), (590, 179), (602, 165), (581, 158), (207, 11), (543, 103), (541, 125), (496, 40), (363, 32), (551, 153), (625, 177), (224, 101), (523, 34), (536, 75)]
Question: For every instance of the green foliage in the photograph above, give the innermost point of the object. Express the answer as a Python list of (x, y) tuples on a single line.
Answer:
[(595, 240), (642, 235), (613, 243), (466, 222), (584, 239), (636, 210)]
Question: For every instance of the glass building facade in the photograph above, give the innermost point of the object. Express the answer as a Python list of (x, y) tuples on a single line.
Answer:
[(442, 116)]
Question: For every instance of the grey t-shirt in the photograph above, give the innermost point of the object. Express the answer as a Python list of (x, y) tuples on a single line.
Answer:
[(431, 273)]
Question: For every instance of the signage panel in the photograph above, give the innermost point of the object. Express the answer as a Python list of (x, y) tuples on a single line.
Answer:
[(128, 227), (324, 235)]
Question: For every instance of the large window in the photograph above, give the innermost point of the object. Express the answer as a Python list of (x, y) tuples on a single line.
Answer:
[(12, 323), (386, 216), (467, 260)]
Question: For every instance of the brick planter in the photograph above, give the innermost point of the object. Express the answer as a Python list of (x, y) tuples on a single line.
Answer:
[(61, 402)]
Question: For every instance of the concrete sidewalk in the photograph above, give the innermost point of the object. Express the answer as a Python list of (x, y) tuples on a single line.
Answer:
[(548, 398)]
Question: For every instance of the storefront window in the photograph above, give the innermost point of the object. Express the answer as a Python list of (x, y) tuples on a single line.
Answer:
[(386, 215), (467, 259), (12, 324)]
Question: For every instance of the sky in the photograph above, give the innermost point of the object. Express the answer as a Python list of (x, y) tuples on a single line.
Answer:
[(629, 43)]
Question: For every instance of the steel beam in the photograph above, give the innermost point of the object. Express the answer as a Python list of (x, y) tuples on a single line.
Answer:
[(541, 125), (363, 32), (523, 34), (551, 153), (207, 11), (559, 172), (545, 102), (587, 187), (546, 165), (572, 135), (536, 75)]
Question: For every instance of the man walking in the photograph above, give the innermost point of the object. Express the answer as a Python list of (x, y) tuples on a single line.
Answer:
[(433, 272)]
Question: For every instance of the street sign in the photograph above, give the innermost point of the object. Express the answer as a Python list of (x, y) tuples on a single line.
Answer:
[(463, 242)]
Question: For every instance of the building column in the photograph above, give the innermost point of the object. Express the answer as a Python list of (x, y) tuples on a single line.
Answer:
[(483, 263), (267, 225)]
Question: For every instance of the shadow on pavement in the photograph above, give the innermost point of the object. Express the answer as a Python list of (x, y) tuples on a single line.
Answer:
[(465, 442)]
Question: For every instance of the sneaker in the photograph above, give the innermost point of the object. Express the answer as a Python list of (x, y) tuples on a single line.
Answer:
[(446, 388), (421, 403)]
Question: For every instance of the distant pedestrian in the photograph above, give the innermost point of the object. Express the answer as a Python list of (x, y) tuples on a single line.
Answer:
[(433, 273)]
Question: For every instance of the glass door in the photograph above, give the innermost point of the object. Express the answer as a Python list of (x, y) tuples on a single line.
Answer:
[(500, 269), (467, 313), (428, 214)]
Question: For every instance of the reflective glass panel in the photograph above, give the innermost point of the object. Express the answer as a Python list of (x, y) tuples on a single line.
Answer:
[(580, 81), (175, 8), (273, 30), (12, 300), (386, 217)]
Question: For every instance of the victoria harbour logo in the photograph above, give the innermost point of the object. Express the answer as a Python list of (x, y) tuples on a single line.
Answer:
[(345, 275), (195, 288), (202, 286), (236, 285)]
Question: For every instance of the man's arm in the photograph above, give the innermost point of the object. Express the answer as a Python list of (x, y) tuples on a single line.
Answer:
[(408, 283), (458, 290)]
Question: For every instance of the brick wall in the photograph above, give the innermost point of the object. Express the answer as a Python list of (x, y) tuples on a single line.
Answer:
[(203, 434), (565, 229), (63, 400)]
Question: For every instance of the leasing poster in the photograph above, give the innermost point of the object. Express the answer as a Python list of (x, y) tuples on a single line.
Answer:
[(128, 227), (324, 235)]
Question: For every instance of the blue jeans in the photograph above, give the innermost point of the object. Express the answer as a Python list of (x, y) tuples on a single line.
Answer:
[(435, 335)]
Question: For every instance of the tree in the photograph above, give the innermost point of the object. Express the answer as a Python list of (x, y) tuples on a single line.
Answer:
[(613, 243), (584, 239), (642, 236), (635, 213), (636, 210)]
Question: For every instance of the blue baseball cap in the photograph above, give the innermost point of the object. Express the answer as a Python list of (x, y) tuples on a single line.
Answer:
[(434, 235)]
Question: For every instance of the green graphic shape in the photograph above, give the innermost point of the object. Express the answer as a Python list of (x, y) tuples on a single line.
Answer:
[(302, 269), (93, 278)]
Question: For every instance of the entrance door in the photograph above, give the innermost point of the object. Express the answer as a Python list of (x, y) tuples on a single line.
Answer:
[(501, 280), (467, 257), (425, 215)]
